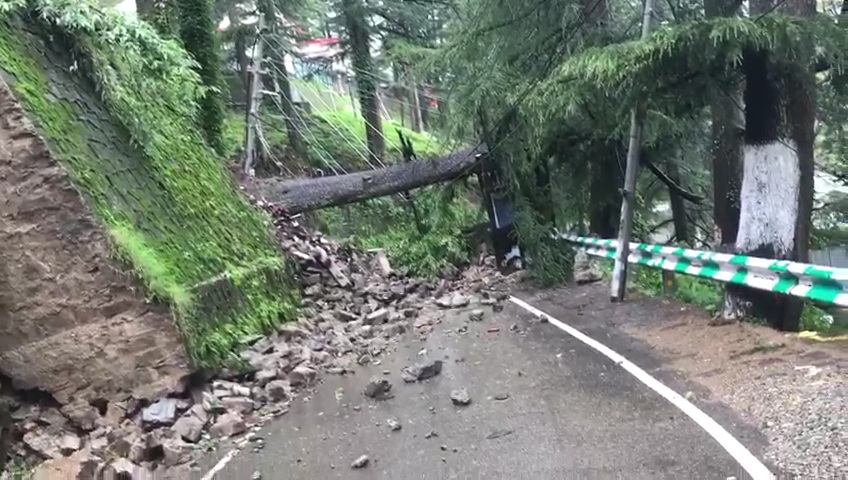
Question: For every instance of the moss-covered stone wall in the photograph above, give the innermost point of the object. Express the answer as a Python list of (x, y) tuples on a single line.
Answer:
[(174, 215)]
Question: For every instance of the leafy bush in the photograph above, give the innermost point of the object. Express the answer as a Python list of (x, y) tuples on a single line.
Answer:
[(390, 225)]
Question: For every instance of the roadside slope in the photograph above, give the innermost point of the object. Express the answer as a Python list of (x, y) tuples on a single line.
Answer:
[(111, 198)]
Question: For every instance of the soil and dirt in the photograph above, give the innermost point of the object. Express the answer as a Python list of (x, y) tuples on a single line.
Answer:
[(354, 306), (62, 302), (795, 391)]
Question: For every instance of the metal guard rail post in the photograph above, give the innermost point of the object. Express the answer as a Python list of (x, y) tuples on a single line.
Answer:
[(811, 282)]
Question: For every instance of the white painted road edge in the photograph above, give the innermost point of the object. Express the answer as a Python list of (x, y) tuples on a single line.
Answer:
[(745, 458)]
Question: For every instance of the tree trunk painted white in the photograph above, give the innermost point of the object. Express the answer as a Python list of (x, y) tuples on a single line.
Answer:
[(769, 206), (771, 181)]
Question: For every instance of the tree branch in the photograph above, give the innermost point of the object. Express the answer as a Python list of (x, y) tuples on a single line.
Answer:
[(685, 194)]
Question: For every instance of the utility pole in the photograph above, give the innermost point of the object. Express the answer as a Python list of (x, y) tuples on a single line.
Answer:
[(625, 229), (254, 101)]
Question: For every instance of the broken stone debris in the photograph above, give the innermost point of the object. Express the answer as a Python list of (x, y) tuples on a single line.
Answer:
[(360, 462), (394, 425), (354, 306), (460, 397), (585, 270), (379, 389), (421, 371)]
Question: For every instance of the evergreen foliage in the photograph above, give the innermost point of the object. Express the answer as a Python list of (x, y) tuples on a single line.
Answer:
[(197, 31)]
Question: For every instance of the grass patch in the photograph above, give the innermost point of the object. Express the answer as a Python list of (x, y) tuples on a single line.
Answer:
[(709, 295), (117, 104)]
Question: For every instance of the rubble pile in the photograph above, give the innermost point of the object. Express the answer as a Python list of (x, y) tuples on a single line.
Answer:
[(354, 306)]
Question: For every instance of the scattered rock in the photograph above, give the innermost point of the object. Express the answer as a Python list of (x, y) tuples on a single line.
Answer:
[(585, 271), (379, 389), (256, 476), (360, 462), (212, 404), (241, 405), (302, 376), (460, 397), (162, 412), (228, 425), (66, 468), (278, 390), (501, 396), (394, 425), (431, 434), (421, 371), (354, 306), (68, 443), (189, 428), (456, 300), (378, 317)]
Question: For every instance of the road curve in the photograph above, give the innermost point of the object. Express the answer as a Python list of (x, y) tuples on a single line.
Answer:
[(570, 413)]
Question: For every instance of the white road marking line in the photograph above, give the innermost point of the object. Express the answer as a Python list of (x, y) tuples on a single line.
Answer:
[(742, 455), (227, 458)]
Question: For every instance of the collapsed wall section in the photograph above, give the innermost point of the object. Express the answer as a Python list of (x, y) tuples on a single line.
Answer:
[(109, 197)]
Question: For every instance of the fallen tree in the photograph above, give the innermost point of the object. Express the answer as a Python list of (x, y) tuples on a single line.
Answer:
[(298, 196)]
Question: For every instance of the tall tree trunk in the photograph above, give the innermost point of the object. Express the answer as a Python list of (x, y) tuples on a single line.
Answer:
[(678, 206), (366, 80), (197, 31), (415, 106), (243, 63), (727, 132), (776, 194), (604, 196)]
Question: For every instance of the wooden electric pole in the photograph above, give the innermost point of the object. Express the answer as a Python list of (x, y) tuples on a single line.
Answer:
[(625, 228)]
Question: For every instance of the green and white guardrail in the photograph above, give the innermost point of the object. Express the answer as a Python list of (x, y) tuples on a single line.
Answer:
[(811, 282)]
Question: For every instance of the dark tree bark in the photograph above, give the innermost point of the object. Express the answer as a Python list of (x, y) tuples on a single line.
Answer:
[(305, 195), (366, 82), (678, 205), (777, 191), (197, 31), (243, 63), (727, 129), (606, 179)]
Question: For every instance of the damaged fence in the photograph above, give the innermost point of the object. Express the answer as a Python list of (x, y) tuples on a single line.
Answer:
[(810, 282)]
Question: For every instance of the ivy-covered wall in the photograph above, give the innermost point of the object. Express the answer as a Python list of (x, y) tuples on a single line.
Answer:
[(125, 136)]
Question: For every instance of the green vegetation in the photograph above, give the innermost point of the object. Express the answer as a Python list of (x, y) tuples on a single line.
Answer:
[(424, 250), (197, 31), (334, 135), (709, 295), (171, 208)]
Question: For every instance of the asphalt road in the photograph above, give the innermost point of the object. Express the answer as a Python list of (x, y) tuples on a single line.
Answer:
[(570, 413)]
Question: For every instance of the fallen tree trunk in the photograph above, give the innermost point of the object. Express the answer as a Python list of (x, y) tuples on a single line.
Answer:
[(298, 196)]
